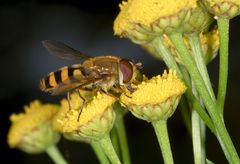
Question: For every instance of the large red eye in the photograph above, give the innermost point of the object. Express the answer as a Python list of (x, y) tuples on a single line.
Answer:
[(126, 69)]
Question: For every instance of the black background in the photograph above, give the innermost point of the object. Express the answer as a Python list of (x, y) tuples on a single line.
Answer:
[(87, 26)]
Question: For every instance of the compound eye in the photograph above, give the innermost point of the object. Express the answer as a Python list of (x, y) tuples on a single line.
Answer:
[(126, 69)]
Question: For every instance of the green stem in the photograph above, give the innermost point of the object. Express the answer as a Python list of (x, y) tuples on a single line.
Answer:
[(198, 57), (160, 128), (222, 134), (223, 27), (99, 153), (115, 140), (184, 109), (194, 103), (198, 142), (121, 131), (198, 133), (166, 55), (108, 149), (171, 63), (55, 155)]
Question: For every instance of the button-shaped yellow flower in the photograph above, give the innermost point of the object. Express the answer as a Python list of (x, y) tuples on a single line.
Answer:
[(140, 20), (96, 119), (32, 131), (223, 8), (155, 99)]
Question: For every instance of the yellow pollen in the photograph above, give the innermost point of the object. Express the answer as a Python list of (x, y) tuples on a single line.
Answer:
[(156, 90), (145, 12), (22, 124), (67, 121)]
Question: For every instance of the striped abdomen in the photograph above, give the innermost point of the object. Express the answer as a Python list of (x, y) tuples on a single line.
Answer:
[(62, 80)]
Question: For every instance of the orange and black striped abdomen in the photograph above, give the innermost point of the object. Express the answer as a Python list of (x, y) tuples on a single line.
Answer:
[(64, 78)]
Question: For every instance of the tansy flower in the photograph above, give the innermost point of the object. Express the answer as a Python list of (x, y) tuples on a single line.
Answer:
[(96, 119), (31, 131), (155, 99), (94, 124), (223, 8), (209, 42), (141, 20)]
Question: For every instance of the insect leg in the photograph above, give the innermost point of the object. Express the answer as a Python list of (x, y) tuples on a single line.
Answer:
[(109, 94), (81, 108), (130, 88), (68, 100)]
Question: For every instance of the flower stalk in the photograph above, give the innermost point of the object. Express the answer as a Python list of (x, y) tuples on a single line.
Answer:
[(161, 131), (115, 140), (108, 149), (222, 134), (121, 131), (55, 155), (198, 133), (223, 26), (171, 63), (99, 153), (198, 57), (197, 139), (184, 109)]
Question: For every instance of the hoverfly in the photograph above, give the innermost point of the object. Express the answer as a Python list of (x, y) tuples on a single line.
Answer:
[(105, 73)]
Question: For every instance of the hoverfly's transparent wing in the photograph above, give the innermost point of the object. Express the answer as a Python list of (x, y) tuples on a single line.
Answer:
[(62, 89), (62, 50), (86, 85)]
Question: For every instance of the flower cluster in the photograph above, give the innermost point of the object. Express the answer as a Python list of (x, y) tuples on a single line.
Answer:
[(180, 34), (91, 120)]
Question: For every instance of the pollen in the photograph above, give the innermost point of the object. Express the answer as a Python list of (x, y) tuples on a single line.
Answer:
[(156, 90), (24, 123), (145, 12), (68, 121)]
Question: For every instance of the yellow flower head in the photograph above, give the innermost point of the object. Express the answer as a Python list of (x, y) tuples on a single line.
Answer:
[(223, 8), (31, 131), (139, 18), (210, 44), (155, 99), (96, 118)]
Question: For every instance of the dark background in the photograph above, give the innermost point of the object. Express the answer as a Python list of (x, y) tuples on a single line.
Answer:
[(87, 26)]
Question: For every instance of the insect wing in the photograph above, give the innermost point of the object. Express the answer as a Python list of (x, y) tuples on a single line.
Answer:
[(64, 88), (62, 50), (87, 84)]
